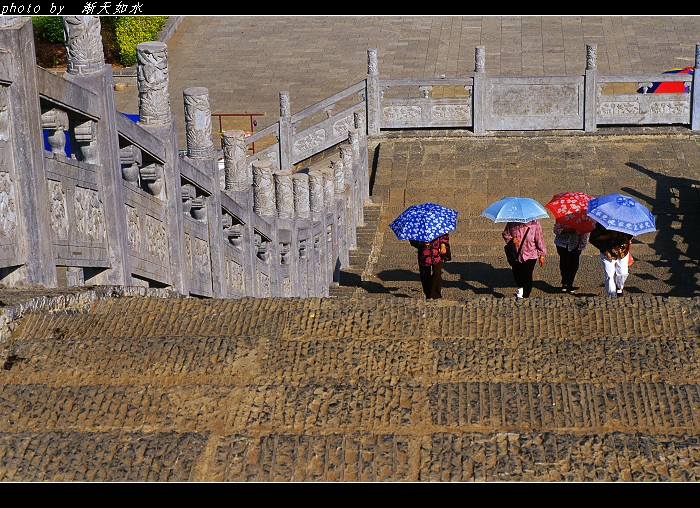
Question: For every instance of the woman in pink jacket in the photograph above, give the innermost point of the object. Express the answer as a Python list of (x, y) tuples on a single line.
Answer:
[(533, 250)]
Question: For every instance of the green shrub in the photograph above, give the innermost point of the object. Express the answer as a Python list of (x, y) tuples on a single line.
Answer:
[(48, 28), (133, 30)]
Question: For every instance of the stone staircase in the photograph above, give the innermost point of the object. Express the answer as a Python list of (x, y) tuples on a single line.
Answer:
[(372, 389), (376, 384)]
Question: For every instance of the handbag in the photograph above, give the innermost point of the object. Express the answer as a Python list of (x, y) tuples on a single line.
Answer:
[(446, 251), (512, 254)]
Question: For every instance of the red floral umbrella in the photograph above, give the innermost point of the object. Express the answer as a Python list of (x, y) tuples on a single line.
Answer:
[(570, 209)]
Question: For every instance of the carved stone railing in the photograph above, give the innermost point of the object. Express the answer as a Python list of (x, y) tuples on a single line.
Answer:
[(490, 103), (122, 207)]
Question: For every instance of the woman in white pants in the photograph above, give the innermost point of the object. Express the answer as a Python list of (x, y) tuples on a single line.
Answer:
[(614, 247)]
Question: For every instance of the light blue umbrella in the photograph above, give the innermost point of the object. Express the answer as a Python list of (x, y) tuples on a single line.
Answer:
[(621, 213), (515, 209), (424, 222)]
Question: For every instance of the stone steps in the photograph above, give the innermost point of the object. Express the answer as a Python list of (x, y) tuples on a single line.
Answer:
[(372, 389)]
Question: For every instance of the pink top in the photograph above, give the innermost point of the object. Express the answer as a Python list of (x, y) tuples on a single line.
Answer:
[(534, 243)]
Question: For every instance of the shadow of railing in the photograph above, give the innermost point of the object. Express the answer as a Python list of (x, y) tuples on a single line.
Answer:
[(676, 207)]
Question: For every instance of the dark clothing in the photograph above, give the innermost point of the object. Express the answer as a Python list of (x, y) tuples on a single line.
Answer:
[(568, 265), (430, 265), (429, 252), (522, 273), (431, 280), (612, 244)]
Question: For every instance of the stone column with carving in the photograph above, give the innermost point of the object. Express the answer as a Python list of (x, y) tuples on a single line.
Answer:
[(198, 123), (284, 194), (479, 89), (263, 188), (316, 192), (95, 141), (373, 93), (362, 188), (590, 98), (152, 81), (352, 201), (300, 187), (155, 116), (338, 176), (83, 40), (360, 121), (329, 188), (236, 178), (286, 133)]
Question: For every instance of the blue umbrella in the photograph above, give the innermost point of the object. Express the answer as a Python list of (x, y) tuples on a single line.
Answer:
[(621, 213), (424, 222), (515, 209)]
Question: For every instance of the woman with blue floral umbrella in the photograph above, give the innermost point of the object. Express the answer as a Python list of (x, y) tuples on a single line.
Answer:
[(426, 227), (618, 219)]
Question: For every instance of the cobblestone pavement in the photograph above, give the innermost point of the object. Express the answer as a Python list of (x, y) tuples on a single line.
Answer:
[(377, 389), (375, 384)]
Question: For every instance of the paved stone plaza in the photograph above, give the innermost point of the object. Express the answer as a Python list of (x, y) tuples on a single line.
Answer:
[(375, 384)]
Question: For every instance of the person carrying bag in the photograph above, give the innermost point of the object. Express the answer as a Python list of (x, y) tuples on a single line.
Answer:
[(531, 249)]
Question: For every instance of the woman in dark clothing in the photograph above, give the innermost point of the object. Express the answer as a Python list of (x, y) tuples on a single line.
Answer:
[(430, 257), (569, 243)]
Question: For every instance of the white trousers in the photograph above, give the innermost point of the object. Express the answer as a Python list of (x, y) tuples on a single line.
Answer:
[(616, 272)]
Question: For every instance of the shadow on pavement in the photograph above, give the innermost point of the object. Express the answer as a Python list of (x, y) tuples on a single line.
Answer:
[(676, 207)]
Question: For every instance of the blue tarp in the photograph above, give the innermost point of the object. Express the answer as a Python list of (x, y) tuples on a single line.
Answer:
[(47, 147)]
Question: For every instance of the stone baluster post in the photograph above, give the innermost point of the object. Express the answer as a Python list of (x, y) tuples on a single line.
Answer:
[(284, 194), (83, 40), (590, 108), (373, 93), (22, 174), (360, 175), (479, 89), (338, 176), (352, 201), (152, 83), (198, 123), (155, 116), (340, 213), (236, 177), (695, 96), (200, 150), (286, 133), (362, 151), (317, 192), (263, 188), (96, 142), (300, 188), (329, 188), (56, 122)]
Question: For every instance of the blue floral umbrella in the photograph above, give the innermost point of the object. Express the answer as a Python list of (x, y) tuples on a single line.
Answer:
[(621, 213), (515, 209), (424, 222)]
